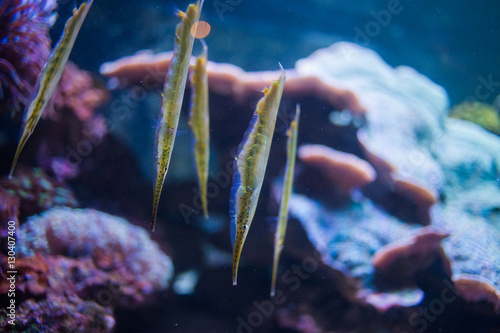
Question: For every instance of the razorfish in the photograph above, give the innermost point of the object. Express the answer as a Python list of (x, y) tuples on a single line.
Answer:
[(200, 123), (285, 195), (173, 93), (49, 77), (250, 167)]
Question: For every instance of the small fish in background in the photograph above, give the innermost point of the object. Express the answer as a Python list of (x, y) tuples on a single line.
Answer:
[(291, 150), (173, 93), (250, 167), (50, 76), (200, 123)]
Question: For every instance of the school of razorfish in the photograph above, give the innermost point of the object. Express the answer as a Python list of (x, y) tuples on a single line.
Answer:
[(253, 152)]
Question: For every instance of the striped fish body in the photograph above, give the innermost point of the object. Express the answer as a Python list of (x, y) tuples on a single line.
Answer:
[(173, 93), (285, 195), (250, 166), (50, 76), (200, 123)]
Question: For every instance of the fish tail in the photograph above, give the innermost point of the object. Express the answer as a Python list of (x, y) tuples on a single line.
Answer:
[(160, 179), (204, 183), (241, 234), (277, 255), (204, 202), (20, 146)]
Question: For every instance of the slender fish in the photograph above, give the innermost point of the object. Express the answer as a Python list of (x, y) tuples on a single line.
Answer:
[(250, 167), (173, 93), (49, 77), (285, 195), (200, 123)]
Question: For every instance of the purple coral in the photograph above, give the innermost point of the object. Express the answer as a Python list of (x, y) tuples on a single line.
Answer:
[(111, 242), (24, 48)]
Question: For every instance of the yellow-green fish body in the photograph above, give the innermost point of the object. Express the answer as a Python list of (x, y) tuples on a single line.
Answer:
[(173, 93), (285, 195), (49, 77), (250, 167), (200, 123)]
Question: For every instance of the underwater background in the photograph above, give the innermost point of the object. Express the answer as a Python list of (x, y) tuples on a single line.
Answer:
[(394, 223)]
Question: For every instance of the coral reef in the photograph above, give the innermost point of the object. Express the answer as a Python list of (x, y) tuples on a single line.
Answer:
[(418, 151), (228, 80), (344, 170), (427, 180), (84, 262), (77, 92), (59, 314), (111, 242), (24, 48), (53, 294), (73, 128), (30, 192)]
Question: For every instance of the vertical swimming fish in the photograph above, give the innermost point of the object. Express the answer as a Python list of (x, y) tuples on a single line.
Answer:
[(200, 123), (49, 77), (285, 194), (173, 93), (250, 167)]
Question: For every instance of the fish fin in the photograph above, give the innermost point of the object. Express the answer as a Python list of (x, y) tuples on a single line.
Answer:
[(153, 123), (254, 98), (171, 9), (73, 5), (204, 53)]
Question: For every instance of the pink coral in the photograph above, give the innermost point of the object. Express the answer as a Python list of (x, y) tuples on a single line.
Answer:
[(78, 92)]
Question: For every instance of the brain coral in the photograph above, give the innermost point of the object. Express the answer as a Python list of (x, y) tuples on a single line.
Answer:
[(110, 241)]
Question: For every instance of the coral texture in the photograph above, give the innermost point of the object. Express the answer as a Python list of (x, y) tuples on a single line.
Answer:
[(75, 266), (79, 92), (34, 192), (24, 48), (111, 242), (415, 148)]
